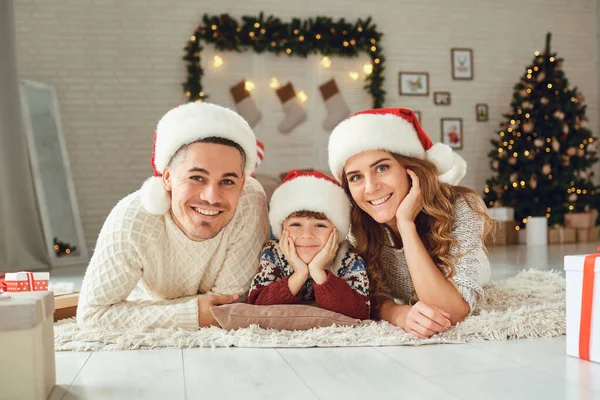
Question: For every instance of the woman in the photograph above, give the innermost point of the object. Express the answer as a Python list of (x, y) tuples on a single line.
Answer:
[(420, 236)]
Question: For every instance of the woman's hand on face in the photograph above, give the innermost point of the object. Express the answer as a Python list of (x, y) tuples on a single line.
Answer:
[(424, 321), (412, 204)]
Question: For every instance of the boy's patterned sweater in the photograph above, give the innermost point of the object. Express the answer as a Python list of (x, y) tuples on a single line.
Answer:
[(346, 290)]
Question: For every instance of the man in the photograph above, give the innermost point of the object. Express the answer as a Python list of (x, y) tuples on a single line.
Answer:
[(190, 237)]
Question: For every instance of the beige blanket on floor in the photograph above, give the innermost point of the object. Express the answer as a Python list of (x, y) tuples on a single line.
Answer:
[(529, 305)]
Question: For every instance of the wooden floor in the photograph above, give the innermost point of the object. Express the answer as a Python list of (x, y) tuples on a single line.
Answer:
[(523, 369)]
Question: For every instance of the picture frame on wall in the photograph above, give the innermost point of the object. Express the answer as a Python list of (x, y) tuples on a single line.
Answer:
[(413, 83), (452, 132), (482, 113), (462, 63), (442, 98)]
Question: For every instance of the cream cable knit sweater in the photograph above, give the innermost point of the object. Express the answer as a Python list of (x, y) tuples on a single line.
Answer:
[(138, 248)]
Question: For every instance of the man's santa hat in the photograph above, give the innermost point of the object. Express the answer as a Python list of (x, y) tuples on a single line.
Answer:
[(186, 124), (310, 191), (396, 130)]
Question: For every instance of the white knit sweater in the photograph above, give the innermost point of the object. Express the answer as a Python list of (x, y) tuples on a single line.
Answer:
[(138, 248)]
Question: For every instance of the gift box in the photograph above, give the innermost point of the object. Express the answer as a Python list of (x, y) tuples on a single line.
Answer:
[(27, 345), (588, 235), (583, 306), (65, 305), (583, 220), (26, 281), (560, 234), (502, 213), (503, 234)]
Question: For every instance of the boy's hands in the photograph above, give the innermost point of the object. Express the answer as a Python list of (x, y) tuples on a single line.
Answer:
[(317, 266), (289, 251), (300, 274)]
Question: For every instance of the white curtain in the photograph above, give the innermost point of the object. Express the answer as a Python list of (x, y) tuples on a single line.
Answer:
[(21, 237)]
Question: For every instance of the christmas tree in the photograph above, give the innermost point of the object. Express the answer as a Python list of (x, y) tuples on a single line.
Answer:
[(543, 152)]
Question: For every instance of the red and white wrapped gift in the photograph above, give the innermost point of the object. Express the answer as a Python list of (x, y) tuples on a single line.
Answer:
[(26, 281), (583, 306)]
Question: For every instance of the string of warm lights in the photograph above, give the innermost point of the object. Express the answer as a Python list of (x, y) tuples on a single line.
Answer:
[(218, 62), (321, 35), (62, 248)]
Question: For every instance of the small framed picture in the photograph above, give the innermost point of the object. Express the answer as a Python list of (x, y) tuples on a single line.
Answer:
[(482, 112), (452, 132), (462, 64), (418, 114), (441, 98), (414, 83)]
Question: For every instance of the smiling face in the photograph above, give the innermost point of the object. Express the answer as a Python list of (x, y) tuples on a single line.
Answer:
[(205, 182), (378, 183), (309, 233)]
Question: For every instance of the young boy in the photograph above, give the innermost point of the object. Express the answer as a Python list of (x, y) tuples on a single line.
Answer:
[(310, 259)]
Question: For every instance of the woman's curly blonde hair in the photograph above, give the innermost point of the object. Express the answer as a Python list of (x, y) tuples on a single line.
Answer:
[(434, 223)]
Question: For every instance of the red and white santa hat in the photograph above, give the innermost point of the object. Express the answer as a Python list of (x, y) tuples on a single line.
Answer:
[(310, 191), (186, 124), (396, 130)]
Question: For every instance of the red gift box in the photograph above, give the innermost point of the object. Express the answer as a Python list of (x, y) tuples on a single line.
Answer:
[(26, 281)]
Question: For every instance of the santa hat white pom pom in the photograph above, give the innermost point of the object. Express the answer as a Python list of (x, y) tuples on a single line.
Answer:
[(154, 197), (458, 170), (441, 155), (451, 167)]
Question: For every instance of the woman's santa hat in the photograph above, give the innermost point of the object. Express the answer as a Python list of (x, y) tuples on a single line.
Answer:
[(310, 191), (396, 130), (186, 124)]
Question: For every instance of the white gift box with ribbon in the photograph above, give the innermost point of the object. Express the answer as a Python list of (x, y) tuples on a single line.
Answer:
[(583, 306), (27, 368)]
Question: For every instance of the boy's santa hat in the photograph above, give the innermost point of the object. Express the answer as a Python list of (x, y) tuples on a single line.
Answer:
[(396, 130), (310, 191), (186, 124)]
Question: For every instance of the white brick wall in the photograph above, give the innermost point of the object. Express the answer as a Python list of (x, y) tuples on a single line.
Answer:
[(117, 68)]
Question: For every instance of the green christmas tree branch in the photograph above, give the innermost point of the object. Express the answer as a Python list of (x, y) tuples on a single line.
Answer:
[(543, 152)]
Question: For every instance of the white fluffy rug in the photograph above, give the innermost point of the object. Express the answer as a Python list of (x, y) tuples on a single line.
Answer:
[(529, 305)]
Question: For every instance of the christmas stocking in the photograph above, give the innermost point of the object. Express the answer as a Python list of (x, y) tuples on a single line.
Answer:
[(337, 109), (292, 108), (244, 104)]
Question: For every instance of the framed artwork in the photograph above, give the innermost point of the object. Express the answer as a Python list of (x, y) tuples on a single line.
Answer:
[(441, 98), (482, 112), (418, 114), (414, 83), (462, 64), (452, 132)]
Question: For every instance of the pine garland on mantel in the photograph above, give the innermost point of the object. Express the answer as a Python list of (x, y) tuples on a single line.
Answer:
[(297, 38)]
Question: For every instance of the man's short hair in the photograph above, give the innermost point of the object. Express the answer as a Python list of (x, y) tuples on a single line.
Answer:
[(180, 154)]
